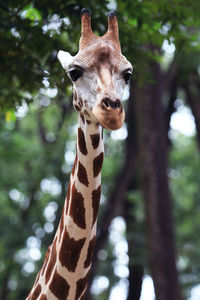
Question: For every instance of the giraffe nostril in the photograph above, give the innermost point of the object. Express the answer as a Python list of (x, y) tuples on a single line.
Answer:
[(111, 104), (106, 102), (118, 103)]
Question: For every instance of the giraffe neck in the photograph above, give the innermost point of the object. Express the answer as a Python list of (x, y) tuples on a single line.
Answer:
[(64, 274)]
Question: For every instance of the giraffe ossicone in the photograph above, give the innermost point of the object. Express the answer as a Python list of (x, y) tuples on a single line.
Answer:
[(99, 73)]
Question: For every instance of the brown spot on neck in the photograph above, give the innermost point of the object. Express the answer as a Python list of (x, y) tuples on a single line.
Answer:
[(97, 164), (95, 138), (90, 253), (77, 208), (96, 195), (36, 292), (82, 118), (70, 251), (82, 142), (59, 286), (82, 174)]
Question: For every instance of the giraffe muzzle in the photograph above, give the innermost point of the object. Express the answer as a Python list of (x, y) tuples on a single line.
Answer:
[(109, 113)]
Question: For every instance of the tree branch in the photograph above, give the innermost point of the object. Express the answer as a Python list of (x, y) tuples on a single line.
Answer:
[(157, 201)]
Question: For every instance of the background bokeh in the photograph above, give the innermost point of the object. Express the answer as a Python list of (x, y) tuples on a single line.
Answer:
[(149, 217)]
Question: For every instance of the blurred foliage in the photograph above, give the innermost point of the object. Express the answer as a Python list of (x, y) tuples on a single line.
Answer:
[(37, 129), (27, 162), (185, 178)]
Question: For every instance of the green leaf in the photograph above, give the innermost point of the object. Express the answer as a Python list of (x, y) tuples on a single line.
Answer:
[(32, 13), (10, 116)]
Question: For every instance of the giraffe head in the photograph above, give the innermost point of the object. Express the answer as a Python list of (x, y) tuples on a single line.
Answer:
[(99, 73)]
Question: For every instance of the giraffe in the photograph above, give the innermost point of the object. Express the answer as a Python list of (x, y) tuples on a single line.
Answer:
[(99, 73)]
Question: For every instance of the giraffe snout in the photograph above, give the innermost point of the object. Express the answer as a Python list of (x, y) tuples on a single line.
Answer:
[(109, 112)]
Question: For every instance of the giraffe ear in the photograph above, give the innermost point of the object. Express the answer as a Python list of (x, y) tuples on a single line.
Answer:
[(65, 58)]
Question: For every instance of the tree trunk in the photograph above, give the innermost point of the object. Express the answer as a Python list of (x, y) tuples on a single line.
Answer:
[(136, 273), (158, 208), (136, 251), (4, 290)]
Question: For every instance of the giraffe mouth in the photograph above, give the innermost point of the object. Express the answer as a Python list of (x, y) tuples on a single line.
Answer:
[(110, 114)]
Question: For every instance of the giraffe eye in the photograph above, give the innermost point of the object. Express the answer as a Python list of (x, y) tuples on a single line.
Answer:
[(127, 75), (75, 73)]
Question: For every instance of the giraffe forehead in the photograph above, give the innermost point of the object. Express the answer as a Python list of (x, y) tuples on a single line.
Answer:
[(99, 54)]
